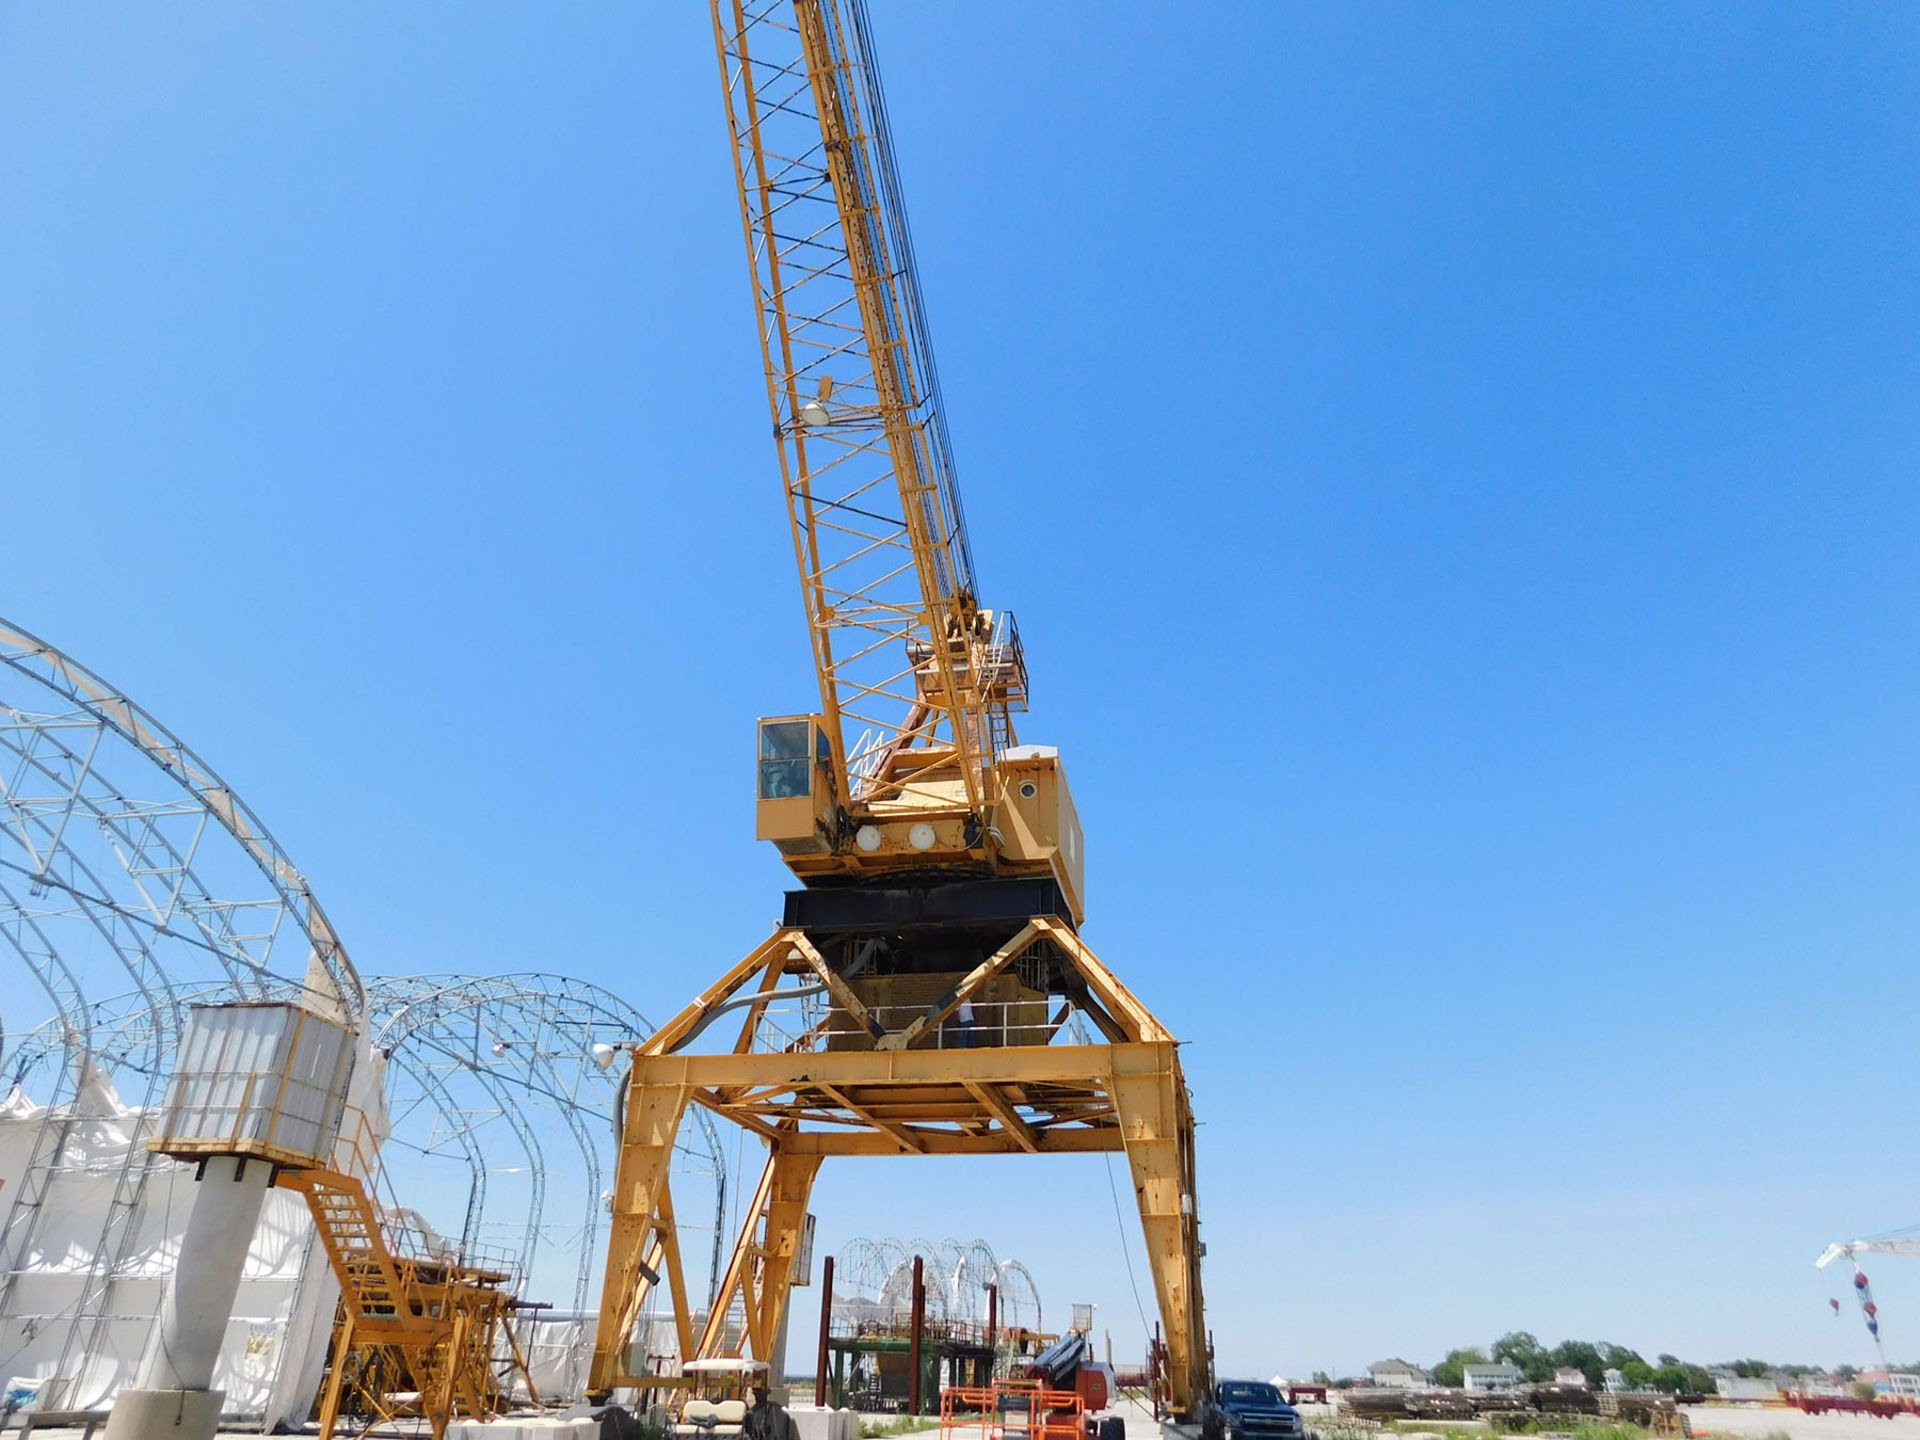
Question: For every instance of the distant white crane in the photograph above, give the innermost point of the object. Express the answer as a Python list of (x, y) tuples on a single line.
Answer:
[(1847, 1249)]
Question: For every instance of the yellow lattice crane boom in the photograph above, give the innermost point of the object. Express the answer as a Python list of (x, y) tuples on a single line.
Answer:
[(908, 763), (927, 991)]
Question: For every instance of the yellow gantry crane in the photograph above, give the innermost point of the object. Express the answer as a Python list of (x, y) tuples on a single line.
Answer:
[(927, 992)]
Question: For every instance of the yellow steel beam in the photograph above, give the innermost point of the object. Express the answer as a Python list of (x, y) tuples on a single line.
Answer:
[(671, 1036), (739, 1276), (336, 1371), (1008, 1117), (769, 982), (738, 1113), (842, 992), (1119, 1001), (902, 1133), (999, 1064), (1150, 1094), (793, 1177), (667, 1236), (1075, 1141)]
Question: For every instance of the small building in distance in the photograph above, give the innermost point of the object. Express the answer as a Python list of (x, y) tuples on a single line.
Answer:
[(1567, 1376), (1895, 1384), (1398, 1375), (1490, 1379)]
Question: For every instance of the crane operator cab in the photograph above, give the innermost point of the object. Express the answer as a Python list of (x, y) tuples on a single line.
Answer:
[(793, 800)]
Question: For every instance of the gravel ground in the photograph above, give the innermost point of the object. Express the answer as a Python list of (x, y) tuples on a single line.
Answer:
[(1756, 1421)]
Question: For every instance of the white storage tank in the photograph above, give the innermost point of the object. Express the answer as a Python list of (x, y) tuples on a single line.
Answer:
[(257, 1078)]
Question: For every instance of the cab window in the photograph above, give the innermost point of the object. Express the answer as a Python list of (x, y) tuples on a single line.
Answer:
[(786, 766)]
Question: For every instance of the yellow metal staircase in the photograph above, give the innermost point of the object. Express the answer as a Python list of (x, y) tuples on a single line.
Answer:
[(415, 1334), (371, 1283)]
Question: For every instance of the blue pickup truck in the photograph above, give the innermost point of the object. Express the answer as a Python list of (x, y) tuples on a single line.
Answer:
[(1255, 1410)]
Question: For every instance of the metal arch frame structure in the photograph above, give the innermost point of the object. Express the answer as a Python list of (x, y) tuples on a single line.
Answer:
[(1009, 1271), (331, 983), (903, 1096), (86, 849), (442, 1024), (872, 1270)]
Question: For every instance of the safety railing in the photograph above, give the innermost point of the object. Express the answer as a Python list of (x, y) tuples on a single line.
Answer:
[(1030, 1411), (978, 1024), (814, 1022), (356, 1153), (967, 1410)]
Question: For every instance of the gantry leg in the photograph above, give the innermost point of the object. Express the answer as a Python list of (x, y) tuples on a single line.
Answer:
[(739, 1270), (653, 1114), (760, 1271), (793, 1177), (1156, 1125), (666, 1241)]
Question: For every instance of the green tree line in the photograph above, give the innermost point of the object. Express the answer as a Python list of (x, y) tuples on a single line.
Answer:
[(1593, 1358)]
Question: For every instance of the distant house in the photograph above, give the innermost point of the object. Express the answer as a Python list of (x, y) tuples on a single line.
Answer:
[(1899, 1384), (1398, 1375), (1490, 1379), (1742, 1387), (1615, 1382), (1566, 1375)]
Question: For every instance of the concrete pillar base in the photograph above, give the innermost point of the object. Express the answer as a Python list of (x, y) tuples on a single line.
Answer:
[(165, 1415)]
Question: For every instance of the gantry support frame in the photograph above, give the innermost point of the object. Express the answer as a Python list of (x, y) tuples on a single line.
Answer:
[(903, 1096)]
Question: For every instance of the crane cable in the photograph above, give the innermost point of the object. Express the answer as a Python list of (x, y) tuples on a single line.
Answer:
[(1126, 1250)]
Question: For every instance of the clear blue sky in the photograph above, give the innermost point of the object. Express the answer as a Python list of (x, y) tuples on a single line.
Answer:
[(1454, 466)]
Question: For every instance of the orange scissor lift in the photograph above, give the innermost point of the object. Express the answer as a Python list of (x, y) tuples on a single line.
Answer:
[(1010, 1410)]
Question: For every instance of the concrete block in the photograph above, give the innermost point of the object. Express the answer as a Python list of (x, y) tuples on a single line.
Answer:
[(165, 1415), (824, 1423), (528, 1429)]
